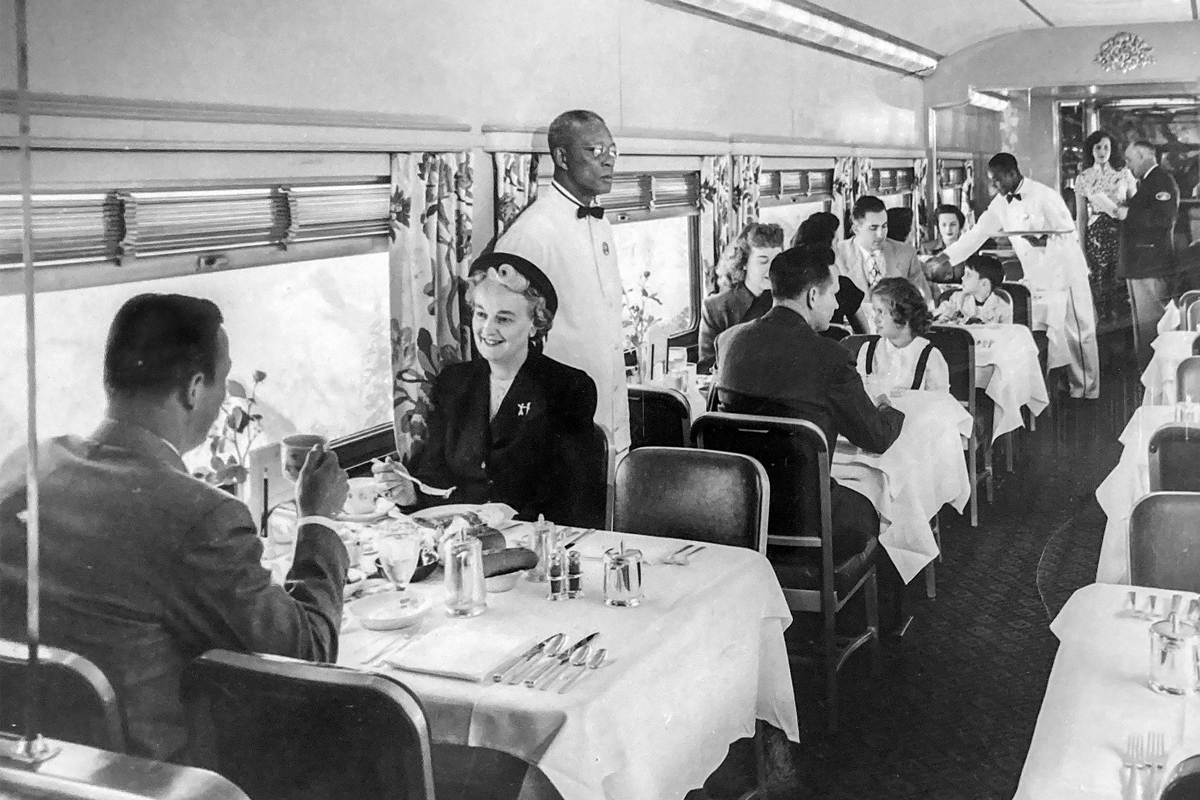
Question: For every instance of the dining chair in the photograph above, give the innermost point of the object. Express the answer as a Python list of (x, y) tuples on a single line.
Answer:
[(957, 346), (1187, 378), (659, 417), (1022, 305), (1192, 316), (795, 455), (1186, 299), (284, 729), (76, 702), (1174, 455), (692, 494), (1196, 346), (837, 331), (604, 462), (1164, 550), (857, 341)]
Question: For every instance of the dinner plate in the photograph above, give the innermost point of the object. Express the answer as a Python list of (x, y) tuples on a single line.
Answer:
[(491, 514), (390, 610)]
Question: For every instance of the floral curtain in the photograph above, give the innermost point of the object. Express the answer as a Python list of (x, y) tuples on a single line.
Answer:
[(921, 221), (842, 191), (744, 196), (516, 186), (432, 198), (967, 201), (862, 184), (716, 188)]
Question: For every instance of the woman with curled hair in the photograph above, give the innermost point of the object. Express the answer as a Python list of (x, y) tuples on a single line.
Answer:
[(743, 273), (1104, 184), (901, 357), (514, 425)]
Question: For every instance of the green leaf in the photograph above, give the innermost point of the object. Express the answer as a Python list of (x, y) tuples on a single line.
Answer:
[(235, 389)]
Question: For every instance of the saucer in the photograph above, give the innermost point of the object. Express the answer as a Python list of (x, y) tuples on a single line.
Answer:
[(390, 610)]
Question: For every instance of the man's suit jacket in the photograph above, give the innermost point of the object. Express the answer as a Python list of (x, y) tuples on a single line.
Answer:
[(779, 366), (145, 567), (533, 455), (721, 312), (899, 261), (1147, 246)]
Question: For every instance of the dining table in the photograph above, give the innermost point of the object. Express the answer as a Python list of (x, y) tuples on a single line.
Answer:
[(1007, 369), (920, 472), (1120, 490), (1098, 694), (688, 671), (1170, 348)]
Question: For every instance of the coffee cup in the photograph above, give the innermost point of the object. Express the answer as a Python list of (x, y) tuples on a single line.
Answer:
[(294, 449)]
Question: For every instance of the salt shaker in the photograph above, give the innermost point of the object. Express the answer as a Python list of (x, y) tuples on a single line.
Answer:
[(557, 571), (574, 575)]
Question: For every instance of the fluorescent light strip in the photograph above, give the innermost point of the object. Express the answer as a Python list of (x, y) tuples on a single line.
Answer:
[(788, 20), (986, 101)]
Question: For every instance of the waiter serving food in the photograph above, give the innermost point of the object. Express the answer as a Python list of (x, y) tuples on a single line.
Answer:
[(565, 233), (1050, 256)]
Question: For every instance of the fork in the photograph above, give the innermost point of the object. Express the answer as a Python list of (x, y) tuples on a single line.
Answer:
[(1135, 759), (1156, 757), (681, 557), (392, 469)]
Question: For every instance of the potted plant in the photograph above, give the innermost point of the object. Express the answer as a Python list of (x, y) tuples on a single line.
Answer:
[(638, 320), (233, 434)]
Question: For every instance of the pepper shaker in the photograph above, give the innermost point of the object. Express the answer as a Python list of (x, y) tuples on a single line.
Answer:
[(574, 575), (557, 572)]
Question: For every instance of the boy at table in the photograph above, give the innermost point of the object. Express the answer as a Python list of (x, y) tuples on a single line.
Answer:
[(978, 301)]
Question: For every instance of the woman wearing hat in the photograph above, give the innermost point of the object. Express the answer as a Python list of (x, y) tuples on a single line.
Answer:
[(513, 426)]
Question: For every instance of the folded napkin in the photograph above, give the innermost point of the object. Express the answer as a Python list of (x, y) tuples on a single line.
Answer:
[(1170, 319), (455, 651)]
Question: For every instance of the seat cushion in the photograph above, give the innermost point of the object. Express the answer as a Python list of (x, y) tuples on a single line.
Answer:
[(800, 567)]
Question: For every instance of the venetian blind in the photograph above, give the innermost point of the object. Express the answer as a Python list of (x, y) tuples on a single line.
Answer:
[(794, 185)]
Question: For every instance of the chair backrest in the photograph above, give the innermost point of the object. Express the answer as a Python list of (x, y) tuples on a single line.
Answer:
[(1192, 317), (837, 331), (658, 417), (1022, 303), (1187, 378), (1186, 300), (281, 728), (857, 342), (796, 457), (605, 454), (946, 293), (957, 346), (76, 701), (1164, 541), (686, 493), (1196, 346), (1174, 456)]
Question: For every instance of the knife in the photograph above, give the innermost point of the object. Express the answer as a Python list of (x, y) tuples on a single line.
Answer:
[(559, 661), (499, 672)]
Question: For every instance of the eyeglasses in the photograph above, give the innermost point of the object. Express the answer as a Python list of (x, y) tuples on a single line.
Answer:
[(598, 150)]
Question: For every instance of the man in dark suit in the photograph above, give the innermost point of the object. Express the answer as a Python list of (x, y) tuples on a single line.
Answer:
[(779, 365), (145, 567), (1147, 247)]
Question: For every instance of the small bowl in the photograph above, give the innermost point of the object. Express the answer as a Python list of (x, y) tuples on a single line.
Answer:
[(391, 610), (502, 583)]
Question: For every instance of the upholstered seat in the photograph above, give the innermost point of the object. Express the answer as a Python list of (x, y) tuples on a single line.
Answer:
[(658, 417), (1174, 456), (1164, 549)]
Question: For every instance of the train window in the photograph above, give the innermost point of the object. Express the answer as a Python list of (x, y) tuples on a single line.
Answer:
[(790, 216), (657, 258), (318, 329)]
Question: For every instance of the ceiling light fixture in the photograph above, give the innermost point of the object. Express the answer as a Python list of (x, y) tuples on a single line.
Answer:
[(988, 101), (789, 21)]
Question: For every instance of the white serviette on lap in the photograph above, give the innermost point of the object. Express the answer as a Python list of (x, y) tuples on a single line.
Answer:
[(453, 651)]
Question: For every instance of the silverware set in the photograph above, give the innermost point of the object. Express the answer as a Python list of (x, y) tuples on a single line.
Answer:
[(577, 537), (381, 653), (1152, 609), (551, 664), (1146, 758), (683, 556)]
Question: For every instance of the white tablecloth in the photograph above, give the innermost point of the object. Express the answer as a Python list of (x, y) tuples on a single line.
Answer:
[(1050, 315), (691, 669), (1007, 369), (1097, 696), (923, 470), (1125, 485), (1170, 348)]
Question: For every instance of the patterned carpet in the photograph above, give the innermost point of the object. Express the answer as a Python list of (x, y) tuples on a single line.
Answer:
[(953, 709)]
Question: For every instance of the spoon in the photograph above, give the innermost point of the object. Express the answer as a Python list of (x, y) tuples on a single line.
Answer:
[(551, 652), (593, 663), (578, 659), (386, 471)]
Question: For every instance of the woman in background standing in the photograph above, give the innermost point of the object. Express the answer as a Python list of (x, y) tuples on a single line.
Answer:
[(1103, 184)]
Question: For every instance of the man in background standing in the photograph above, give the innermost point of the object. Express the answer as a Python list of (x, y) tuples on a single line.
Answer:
[(1147, 250), (565, 233)]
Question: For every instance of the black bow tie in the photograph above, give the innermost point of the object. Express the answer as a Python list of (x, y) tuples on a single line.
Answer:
[(1013, 196), (589, 211)]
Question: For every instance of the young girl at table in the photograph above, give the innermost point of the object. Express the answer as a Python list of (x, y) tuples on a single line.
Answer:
[(901, 357), (981, 300)]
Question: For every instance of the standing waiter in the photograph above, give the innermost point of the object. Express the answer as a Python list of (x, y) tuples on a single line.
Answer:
[(565, 233), (1055, 262), (1147, 246)]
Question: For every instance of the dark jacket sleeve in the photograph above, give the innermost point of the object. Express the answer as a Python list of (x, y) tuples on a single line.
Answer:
[(430, 462), (710, 326), (226, 598), (576, 495), (854, 415), (1150, 209)]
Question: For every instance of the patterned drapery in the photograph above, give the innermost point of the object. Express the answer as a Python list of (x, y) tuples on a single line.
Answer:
[(967, 202), (716, 187), (744, 196), (516, 186), (432, 198), (862, 169), (843, 192), (921, 221)]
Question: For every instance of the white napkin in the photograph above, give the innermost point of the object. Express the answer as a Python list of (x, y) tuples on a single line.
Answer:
[(455, 651), (1170, 319)]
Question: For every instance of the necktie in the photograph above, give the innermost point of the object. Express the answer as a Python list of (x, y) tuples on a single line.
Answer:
[(589, 211), (874, 268), (1013, 196)]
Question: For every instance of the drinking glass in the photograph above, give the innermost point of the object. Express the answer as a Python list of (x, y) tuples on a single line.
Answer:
[(622, 577), (466, 592), (294, 449), (399, 554)]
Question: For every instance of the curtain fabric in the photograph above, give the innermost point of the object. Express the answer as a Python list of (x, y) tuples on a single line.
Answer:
[(432, 197), (967, 203), (716, 188), (921, 222), (843, 192), (862, 184), (744, 198), (516, 186)]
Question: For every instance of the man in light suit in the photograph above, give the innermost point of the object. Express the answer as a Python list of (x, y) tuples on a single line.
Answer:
[(1147, 246), (870, 256), (145, 567)]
